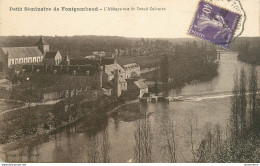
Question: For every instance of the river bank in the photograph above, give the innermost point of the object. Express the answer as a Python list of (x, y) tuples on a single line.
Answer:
[(250, 58), (40, 121), (37, 137)]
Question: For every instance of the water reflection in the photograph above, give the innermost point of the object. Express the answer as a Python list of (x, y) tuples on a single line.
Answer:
[(143, 138), (167, 135)]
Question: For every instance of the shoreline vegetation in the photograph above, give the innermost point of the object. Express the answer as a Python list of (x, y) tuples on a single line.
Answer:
[(250, 58), (249, 52), (239, 141), (196, 64), (28, 125)]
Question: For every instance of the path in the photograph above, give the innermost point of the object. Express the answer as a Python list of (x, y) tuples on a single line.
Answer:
[(31, 105)]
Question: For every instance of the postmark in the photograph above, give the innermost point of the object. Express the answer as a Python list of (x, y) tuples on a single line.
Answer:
[(235, 6), (215, 24)]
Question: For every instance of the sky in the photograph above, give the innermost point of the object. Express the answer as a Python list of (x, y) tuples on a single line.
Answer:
[(174, 22)]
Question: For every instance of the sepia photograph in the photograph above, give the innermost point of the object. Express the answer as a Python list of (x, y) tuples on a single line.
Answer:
[(133, 81)]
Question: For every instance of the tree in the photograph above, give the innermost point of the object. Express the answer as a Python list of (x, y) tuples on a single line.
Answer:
[(253, 89), (235, 111), (243, 102), (143, 140)]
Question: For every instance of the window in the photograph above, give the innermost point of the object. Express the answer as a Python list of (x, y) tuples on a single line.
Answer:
[(38, 59), (30, 60), (25, 60), (11, 62), (21, 61), (16, 61)]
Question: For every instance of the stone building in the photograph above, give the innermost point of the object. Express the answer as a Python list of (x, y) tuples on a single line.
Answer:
[(115, 86), (11, 56), (132, 70), (53, 58), (137, 88), (109, 75)]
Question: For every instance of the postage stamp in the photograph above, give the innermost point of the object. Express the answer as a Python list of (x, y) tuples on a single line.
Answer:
[(214, 23), (237, 7)]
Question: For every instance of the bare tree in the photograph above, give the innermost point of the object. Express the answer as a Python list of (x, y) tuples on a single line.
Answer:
[(243, 101), (191, 133), (105, 150), (253, 89), (143, 141), (235, 110), (93, 154)]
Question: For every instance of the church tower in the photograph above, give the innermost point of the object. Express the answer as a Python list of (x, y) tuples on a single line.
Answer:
[(43, 46)]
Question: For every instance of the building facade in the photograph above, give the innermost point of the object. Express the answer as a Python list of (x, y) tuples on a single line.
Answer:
[(132, 70), (137, 88), (108, 72), (11, 56), (53, 58)]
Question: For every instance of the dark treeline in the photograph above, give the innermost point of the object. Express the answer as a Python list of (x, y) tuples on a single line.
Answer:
[(240, 141), (188, 63), (76, 45), (81, 46), (248, 48)]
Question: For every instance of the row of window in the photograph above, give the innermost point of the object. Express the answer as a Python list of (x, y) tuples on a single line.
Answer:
[(25, 60), (131, 67)]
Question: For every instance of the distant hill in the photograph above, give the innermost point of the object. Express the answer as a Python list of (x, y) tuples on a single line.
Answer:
[(81, 46)]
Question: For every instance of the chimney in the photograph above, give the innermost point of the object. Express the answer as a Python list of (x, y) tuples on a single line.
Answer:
[(116, 83)]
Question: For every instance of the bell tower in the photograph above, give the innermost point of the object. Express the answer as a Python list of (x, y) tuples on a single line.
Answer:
[(43, 46)]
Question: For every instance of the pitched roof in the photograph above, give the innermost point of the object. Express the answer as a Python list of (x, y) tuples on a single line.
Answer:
[(51, 54), (83, 61), (109, 69), (111, 83), (22, 52), (140, 84), (107, 61)]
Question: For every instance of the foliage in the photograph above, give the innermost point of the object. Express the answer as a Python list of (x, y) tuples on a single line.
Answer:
[(241, 143)]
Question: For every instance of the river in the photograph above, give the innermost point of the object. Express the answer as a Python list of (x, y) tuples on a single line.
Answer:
[(146, 139)]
